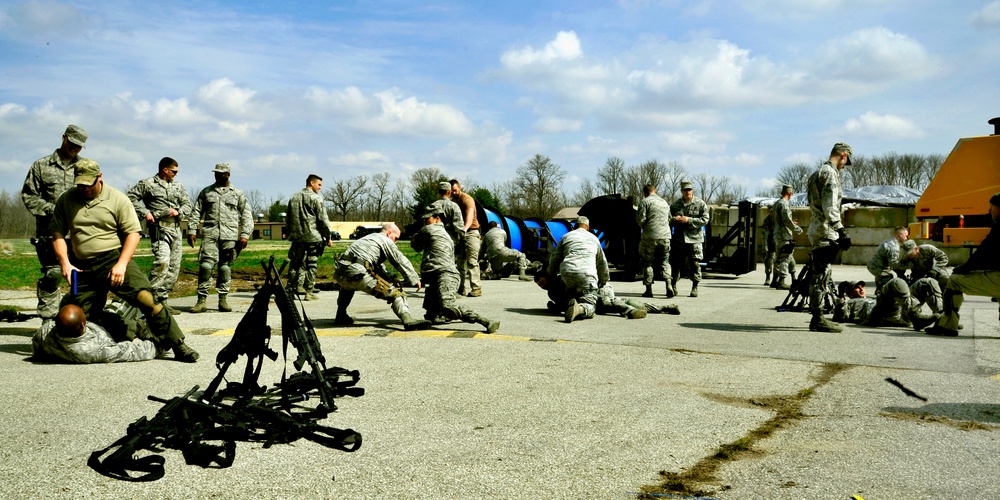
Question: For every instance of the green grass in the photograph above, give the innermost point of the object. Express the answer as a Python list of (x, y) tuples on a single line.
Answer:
[(19, 268)]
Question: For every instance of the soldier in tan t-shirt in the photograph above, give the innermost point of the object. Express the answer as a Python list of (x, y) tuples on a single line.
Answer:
[(97, 219)]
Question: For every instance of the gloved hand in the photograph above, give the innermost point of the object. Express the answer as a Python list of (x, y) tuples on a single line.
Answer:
[(843, 239)]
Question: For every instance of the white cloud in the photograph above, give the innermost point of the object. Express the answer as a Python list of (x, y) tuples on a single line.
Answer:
[(795, 158), (554, 125), (390, 113), (565, 47), (873, 57), (881, 127), (224, 96), (39, 19), (988, 16), (285, 163), (370, 160)]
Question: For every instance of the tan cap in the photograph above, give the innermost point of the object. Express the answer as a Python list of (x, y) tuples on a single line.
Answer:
[(86, 172), (842, 147), (686, 185), (76, 135)]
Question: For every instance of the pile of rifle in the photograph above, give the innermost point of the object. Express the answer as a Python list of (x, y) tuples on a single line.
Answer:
[(205, 426)]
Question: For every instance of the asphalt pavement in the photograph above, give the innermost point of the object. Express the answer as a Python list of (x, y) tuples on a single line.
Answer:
[(544, 409)]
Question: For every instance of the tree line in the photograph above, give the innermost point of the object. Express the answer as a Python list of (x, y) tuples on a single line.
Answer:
[(536, 190)]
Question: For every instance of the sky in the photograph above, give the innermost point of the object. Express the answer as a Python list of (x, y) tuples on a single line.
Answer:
[(283, 89)]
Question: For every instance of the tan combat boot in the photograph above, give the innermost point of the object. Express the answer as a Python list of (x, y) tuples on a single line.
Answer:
[(223, 305), (200, 307)]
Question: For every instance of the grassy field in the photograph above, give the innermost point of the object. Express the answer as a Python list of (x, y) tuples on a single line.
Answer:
[(19, 265)]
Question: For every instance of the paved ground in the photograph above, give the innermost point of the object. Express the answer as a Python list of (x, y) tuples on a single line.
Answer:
[(542, 409)]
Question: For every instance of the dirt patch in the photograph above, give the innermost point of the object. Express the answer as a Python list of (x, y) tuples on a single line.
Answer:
[(700, 480), (962, 425)]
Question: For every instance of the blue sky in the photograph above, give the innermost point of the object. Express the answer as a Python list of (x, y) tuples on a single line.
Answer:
[(283, 89)]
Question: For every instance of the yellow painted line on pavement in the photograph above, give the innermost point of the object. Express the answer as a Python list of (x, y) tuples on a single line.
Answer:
[(996, 377)]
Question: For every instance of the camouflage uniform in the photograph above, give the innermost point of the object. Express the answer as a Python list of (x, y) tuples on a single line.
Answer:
[(451, 218), (785, 230), (360, 268), (467, 258), (308, 230), (157, 196), (498, 255), (893, 306), (884, 262), (580, 263), (653, 216), (768, 248), (688, 238), (824, 192), (47, 178), (224, 217), (440, 277), (930, 262), (95, 346)]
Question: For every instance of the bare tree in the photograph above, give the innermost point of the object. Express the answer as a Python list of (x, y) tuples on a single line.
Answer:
[(255, 198), (539, 184), (346, 194), (611, 177), (15, 219), (584, 194), (378, 196), (932, 163), (795, 175), (675, 173)]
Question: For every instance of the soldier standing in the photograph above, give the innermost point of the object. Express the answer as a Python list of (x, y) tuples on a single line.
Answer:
[(767, 249), (827, 233), (653, 216), (440, 275), (468, 251), (163, 202), (309, 231), (361, 269), (95, 216), (785, 229), (690, 215), (226, 225), (49, 177)]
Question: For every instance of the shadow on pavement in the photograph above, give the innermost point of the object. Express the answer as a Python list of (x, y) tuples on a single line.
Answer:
[(978, 412)]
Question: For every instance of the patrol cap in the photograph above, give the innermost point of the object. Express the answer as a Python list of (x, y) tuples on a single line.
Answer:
[(685, 185), (847, 285), (909, 245), (222, 167), (76, 135), (86, 172), (444, 186), (430, 211), (842, 147), (995, 200), (582, 221)]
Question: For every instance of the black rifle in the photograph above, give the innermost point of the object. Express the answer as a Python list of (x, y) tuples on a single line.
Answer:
[(206, 426)]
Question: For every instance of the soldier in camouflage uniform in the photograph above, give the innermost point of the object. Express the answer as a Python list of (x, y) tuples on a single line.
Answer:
[(361, 269), (690, 214), (894, 306), (827, 233), (580, 263), (309, 231), (499, 255), (226, 223), (71, 338), (886, 260), (653, 216), (768, 247), (163, 202), (439, 273), (928, 273), (48, 178), (785, 229)]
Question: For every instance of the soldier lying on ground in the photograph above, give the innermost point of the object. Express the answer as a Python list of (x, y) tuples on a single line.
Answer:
[(607, 303), (894, 306), (71, 338)]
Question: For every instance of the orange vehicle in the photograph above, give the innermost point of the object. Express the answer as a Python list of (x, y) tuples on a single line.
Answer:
[(954, 209)]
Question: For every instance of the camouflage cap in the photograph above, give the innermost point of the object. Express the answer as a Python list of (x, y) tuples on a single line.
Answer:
[(909, 245), (582, 221), (842, 147), (685, 185), (86, 172), (444, 186), (430, 211), (76, 135), (222, 167), (995, 200), (847, 285)]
